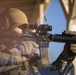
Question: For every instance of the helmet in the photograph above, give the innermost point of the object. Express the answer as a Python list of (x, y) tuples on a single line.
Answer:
[(11, 18)]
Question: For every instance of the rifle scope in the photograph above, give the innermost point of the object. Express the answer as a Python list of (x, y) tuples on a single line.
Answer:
[(36, 26)]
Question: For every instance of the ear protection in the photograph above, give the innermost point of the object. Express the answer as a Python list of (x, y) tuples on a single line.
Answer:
[(7, 20), (4, 20)]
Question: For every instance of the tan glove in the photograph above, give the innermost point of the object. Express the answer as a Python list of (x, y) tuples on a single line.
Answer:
[(73, 48), (29, 48)]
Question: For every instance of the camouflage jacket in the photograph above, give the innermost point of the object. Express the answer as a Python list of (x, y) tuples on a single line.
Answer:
[(16, 57)]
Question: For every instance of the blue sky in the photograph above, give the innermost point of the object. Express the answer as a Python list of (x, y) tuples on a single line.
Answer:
[(56, 18)]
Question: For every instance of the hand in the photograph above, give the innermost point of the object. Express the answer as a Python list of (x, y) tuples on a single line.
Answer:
[(29, 48), (73, 48), (69, 50)]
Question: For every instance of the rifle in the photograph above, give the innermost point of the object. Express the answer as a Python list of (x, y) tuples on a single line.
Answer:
[(44, 36)]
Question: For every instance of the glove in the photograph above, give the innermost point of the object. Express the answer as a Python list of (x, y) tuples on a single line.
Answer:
[(28, 48), (73, 48), (69, 50)]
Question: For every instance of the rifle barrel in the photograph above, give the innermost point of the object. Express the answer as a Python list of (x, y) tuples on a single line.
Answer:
[(62, 38)]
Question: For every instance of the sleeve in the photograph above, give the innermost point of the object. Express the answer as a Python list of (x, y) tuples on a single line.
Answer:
[(8, 59)]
